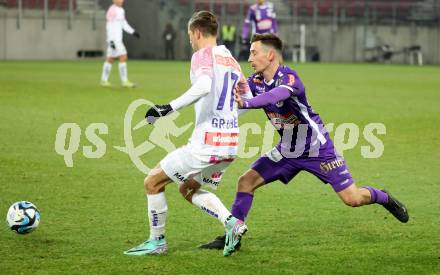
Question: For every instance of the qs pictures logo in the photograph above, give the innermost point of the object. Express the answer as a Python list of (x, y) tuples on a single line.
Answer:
[(346, 137)]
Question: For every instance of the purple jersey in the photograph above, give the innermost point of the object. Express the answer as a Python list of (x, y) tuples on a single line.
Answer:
[(262, 18), (301, 129)]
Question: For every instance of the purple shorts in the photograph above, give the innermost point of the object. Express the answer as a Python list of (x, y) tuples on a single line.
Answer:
[(329, 169)]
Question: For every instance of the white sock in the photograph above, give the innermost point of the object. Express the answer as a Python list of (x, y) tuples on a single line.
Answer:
[(123, 71), (211, 204), (106, 69), (157, 214)]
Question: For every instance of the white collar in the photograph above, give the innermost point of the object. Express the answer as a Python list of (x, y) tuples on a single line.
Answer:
[(268, 83)]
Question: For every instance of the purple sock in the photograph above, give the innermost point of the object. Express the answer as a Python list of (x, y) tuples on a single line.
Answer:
[(377, 196), (242, 205)]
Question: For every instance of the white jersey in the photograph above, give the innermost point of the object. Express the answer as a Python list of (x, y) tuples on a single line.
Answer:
[(116, 23), (216, 129)]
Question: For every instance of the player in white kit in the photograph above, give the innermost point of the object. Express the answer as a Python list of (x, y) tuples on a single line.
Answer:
[(214, 141), (116, 24)]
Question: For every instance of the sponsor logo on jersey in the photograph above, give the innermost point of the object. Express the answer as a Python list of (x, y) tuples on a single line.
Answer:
[(291, 79), (280, 121), (265, 24), (221, 139), (330, 165)]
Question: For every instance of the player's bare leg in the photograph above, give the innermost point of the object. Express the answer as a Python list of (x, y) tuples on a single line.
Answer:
[(355, 197), (106, 70), (188, 189), (154, 185), (123, 72), (250, 181)]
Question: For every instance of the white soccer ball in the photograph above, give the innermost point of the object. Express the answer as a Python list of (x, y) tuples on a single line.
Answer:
[(23, 217)]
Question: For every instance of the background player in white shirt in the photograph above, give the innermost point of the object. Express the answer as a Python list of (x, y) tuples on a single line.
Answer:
[(213, 145), (116, 24)]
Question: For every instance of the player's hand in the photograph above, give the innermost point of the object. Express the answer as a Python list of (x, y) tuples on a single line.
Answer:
[(136, 34), (238, 99), (156, 112), (112, 45)]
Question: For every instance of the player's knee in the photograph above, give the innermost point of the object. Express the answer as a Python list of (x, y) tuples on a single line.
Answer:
[(147, 184), (151, 186), (245, 184)]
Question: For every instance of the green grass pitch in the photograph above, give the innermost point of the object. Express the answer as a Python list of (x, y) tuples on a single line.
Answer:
[(94, 211)]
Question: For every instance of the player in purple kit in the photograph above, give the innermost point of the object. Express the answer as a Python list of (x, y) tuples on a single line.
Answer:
[(305, 144), (261, 17)]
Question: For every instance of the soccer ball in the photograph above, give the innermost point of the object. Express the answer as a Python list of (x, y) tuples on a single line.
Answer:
[(23, 217)]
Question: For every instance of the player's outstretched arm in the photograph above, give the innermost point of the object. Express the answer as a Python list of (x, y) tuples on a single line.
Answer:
[(262, 100), (200, 88)]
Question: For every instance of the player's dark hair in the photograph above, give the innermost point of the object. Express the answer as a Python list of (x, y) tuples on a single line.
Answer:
[(269, 39), (205, 22)]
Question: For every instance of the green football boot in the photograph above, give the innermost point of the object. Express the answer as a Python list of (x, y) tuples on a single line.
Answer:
[(149, 247), (235, 229)]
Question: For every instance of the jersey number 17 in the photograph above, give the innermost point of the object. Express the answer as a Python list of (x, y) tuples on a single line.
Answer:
[(226, 89)]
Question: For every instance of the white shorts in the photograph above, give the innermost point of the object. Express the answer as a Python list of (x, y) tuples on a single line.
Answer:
[(117, 51), (182, 164)]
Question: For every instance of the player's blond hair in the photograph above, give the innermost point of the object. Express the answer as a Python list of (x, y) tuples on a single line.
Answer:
[(205, 22)]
